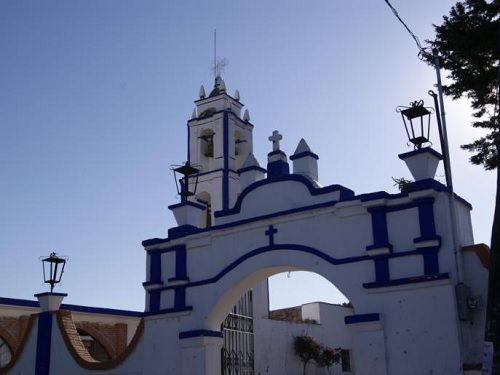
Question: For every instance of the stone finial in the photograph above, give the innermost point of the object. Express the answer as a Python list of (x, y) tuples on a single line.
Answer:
[(201, 93), (275, 138), (246, 115), (50, 301), (194, 115), (237, 95), (305, 162)]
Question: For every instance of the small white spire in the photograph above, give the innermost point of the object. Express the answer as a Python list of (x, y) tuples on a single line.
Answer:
[(201, 93), (194, 115), (302, 147), (222, 85), (237, 95), (246, 115), (250, 162)]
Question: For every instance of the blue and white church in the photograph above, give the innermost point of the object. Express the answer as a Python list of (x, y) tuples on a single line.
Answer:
[(407, 263)]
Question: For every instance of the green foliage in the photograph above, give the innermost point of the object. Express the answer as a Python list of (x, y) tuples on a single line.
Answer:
[(467, 43), (307, 349), (328, 357), (402, 183)]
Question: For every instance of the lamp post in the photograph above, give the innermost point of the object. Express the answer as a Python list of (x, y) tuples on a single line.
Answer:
[(183, 175), (53, 269), (417, 122)]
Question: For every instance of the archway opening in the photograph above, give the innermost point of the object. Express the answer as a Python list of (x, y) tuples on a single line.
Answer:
[(282, 303), (307, 287)]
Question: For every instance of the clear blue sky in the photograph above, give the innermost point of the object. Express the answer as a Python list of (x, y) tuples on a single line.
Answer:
[(95, 95)]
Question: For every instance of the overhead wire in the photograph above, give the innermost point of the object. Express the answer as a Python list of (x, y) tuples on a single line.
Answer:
[(421, 50)]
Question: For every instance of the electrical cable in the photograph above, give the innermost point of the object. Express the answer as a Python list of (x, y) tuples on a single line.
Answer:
[(415, 38)]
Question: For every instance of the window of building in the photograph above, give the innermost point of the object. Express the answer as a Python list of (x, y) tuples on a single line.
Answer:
[(345, 359)]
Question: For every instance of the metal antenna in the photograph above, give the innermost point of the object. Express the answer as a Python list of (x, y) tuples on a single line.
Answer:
[(219, 64), (215, 53)]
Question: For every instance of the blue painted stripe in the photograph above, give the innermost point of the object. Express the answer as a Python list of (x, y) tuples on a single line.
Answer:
[(421, 151), (154, 301), (181, 262), (407, 280), (188, 203), (303, 155), (155, 268), (199, 333), (169, 311), (88, 309), (277, 168), (265, 249), (344, 192), (225, 172), (253, 168), (344, 197), (43, 344), (361, 318)]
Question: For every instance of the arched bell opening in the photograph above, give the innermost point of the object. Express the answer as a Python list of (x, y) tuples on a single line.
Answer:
[(206, 147)]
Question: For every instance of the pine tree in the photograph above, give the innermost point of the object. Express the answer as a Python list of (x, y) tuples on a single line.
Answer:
[(468, 46)]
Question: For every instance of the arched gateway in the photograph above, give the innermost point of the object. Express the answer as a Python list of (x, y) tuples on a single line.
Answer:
[(398, 258)]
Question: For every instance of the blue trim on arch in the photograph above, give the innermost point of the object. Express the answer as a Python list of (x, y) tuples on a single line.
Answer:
[(362, 318), (199, 333), (225, 172), (43, 344), (304, 155), (264, 249), (345, 193)]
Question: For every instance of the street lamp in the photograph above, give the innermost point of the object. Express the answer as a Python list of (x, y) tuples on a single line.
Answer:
[(183, 174), (53, 269), (417, 122)]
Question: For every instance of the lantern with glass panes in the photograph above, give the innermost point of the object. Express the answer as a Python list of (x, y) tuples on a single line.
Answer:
[(417, 122), (53, 269), (185, 175)]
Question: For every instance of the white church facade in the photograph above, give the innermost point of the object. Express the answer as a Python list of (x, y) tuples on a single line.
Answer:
[(415, 280)]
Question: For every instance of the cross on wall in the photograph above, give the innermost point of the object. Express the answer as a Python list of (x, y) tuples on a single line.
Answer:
[(271, 232)]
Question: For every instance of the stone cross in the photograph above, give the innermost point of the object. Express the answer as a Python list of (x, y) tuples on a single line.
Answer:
[(276, 138)]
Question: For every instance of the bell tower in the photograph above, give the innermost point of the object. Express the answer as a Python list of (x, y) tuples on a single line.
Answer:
[(219, 142)]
